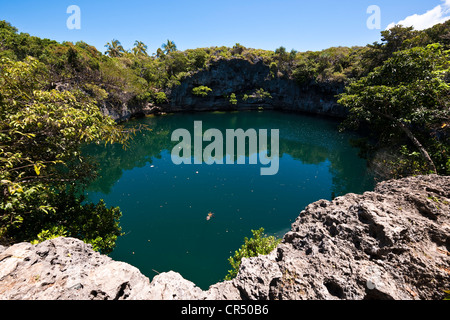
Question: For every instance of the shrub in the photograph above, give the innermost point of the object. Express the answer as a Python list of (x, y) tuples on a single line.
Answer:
[(160, 97), (261, 94), (201, 91), (259, 244), (233, 101)]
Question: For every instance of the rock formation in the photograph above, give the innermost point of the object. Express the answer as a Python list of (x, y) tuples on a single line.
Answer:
[(240, 77), (392, 243)]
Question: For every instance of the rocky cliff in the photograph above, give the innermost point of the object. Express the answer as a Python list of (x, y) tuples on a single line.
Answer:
[(393, 243), (244, 79)]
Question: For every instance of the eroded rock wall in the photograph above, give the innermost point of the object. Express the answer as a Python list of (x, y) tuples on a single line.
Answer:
[(242, 77), (393, 243)]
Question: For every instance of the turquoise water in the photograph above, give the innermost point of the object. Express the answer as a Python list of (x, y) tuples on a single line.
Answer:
[(165, 205)]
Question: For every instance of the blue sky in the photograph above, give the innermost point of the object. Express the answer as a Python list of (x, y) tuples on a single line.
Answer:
[(266, 24)]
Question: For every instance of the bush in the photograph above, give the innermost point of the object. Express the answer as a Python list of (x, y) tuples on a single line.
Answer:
[(262, 95), (160, 97), (233, 100), (41, 135), (259, 244), (201, 91)]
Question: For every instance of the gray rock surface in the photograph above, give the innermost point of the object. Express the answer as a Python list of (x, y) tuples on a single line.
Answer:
[(392, 243), (241, 77), (66, 268)]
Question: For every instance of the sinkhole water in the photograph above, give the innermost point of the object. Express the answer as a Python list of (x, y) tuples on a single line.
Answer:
[(165, 206)]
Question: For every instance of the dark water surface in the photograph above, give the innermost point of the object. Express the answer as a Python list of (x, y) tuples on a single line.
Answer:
[(165, 206)]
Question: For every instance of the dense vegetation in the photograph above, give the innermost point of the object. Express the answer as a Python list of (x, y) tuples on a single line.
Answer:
[(397, 92), (402, 100), (405, 102), (42, 171)]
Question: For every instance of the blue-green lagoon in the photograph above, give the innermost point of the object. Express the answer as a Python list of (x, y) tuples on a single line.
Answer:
[(165, 206)]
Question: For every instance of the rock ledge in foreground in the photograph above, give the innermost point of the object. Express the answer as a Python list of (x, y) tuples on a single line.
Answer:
[(392, 243)]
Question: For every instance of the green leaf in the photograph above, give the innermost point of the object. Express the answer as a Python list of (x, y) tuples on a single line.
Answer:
[(37, 169)]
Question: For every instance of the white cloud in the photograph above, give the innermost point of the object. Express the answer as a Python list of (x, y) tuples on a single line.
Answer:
[(439, 14)]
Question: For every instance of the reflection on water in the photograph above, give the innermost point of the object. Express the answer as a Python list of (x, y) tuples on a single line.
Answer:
[(165, 205)]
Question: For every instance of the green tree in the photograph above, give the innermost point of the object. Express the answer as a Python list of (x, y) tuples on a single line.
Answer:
[(392, 40), (201, 91), (198, 58), (237, 49), (233, 100), (282, 54), (169, 47), (139, 48), (176, 62), (41, 133), (114, 49), (159, 53), (160, 98), (407, 96)]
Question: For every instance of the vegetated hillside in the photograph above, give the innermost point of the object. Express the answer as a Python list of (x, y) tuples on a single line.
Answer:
[(136, 74), (133, 80), (51, 95)]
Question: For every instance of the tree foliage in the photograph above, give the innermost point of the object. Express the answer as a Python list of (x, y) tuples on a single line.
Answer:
[(114, 48), (258, 244), (139, 48), (41, 132), (406, 99), (169, 47), (201, 91)]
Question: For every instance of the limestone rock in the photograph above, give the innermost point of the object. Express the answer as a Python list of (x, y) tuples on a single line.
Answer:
[(393, 243), (66, 268), (172, 286), (243, 77)]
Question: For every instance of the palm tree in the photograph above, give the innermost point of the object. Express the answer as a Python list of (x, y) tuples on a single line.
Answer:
[(159, 53), (115, 49), (292, 57), (139, 48), (169, 47)]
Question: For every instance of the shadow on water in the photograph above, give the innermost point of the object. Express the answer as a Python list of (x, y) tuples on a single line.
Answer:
[(165, 206)]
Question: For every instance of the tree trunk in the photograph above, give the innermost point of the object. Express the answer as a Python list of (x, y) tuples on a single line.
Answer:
[(414, 140)]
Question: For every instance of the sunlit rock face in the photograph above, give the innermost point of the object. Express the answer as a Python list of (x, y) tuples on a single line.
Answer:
[(392, 243)]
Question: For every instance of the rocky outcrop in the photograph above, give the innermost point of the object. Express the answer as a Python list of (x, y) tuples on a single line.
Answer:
[(124, 111), (242, 77), (66, 268), (392, 243)]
